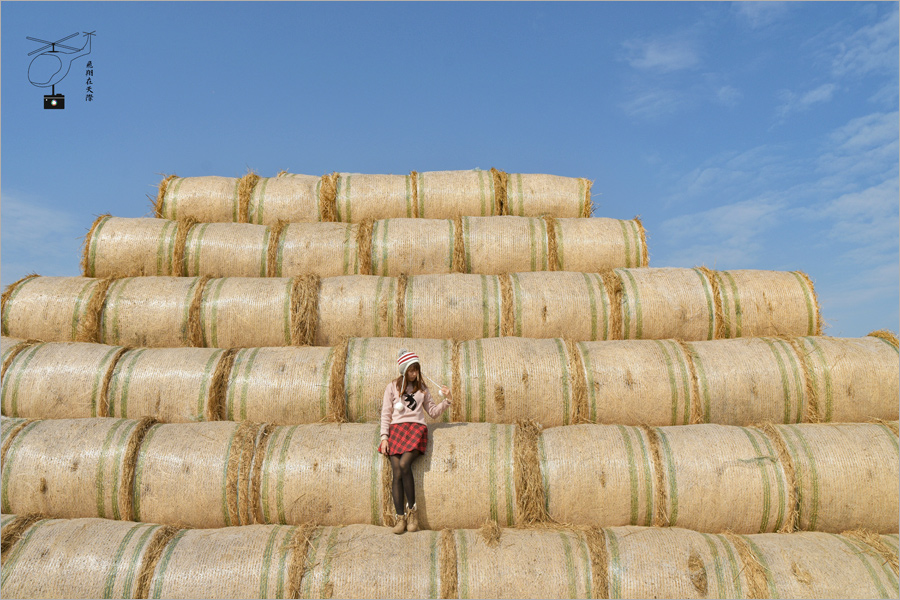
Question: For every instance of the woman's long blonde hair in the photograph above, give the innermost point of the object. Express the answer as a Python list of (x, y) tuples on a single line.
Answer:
[(420, 380)]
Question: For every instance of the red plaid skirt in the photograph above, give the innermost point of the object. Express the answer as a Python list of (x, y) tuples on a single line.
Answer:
[(404, 437)]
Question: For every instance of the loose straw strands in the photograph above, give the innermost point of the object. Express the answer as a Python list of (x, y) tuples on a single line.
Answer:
[(516, 475), (354, 197), (123, 247), (308, 561), (499, 380)]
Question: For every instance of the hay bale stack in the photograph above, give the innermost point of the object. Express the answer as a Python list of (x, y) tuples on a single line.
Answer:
[(288, 197), (359, 196), (457, 306), (253, 561), (226, 250), (241, 312), (207, 199), (348, 306), (195, 474), (532, 194), (53, 309), (561, 304), (72, 468), (149, 311), (80, 558), (145, 384), (340, 564), (324, 249), (523, 564), (64, 380), (846, 475), (412, 247), (447, 194), (116, 247), (372, 363)]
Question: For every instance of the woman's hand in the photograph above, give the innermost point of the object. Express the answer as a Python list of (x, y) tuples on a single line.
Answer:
[(383, 446), (445, 392)]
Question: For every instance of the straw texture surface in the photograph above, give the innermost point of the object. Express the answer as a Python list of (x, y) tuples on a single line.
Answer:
[(205, 199), (240, 312), (118, 247), (533, 195), (148, 311), (412, 246), (360, 196), (447, 194), (578, 248), (52, 309), (226, 250), (755, 300), (324, 249), (288, 197)]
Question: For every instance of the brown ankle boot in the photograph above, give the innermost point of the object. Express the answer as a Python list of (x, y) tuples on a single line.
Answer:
[(400, 524), (412, 518)]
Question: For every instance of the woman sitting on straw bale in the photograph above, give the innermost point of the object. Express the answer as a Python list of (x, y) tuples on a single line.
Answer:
[(404, 436)]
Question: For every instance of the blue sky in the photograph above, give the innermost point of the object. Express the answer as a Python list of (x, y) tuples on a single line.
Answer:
[(746, 135)]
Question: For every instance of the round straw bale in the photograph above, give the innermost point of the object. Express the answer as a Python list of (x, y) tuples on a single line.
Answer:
[(70, 468), (768, 303), (279, 385), (9, 349), (149, 311), (598, 475), (11, 426), (819, 565), (594, 245), (854, 379), (288, 197), (412, 246), (240, 312), (654, 562), (208, 199), (508, 379), (233, 562), (560, 304), (455, 306), (145, 384), (497, 245), (664, 303), (525, 564), (446, 194), (53, 309), (119, 247), (717, 477), (846, 475), (328, 474), (533, 195), (746, 381), (407, 566), (189, 474), (78, 558), (360, 197), (356, 306), (227, 250), (372, 364), (64, 380), (637, 382), (324, 249)]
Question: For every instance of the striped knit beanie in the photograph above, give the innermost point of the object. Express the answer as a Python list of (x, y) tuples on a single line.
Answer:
[(404, 359)]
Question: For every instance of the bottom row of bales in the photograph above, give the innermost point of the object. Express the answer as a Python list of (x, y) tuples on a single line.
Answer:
[(97, 558), (713, 478)]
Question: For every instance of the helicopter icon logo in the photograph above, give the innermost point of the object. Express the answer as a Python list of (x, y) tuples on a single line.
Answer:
[(50, 67)]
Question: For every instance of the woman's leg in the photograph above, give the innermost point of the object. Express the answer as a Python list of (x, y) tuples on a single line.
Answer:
[(397, 485), (409, 484)]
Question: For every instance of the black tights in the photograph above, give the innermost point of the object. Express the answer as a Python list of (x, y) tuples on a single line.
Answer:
[(403, 479)]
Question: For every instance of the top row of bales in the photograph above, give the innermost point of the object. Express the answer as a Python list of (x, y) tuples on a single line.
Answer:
[(355, 197)]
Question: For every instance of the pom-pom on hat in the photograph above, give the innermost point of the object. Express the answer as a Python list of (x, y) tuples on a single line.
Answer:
[(405, 358)]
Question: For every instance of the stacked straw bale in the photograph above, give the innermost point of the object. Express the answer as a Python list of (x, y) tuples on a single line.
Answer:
[(245, 312), (85, 558), (354, 197), (498, 380), (711, 478), (117, 247)]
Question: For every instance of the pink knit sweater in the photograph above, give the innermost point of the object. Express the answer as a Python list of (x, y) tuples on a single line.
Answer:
[(394, 409)]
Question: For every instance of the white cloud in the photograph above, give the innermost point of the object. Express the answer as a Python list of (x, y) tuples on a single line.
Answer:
[(760, 14), (662, 55), (871, 48), (870, 131), (792, 102), (728, 95), (653, 104)]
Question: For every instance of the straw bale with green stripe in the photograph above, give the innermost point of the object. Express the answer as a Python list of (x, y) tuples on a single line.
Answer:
[(62, 380), (252, 561), (362, 196), (596, 244), (446, 194), (148, 311), (355, 306), (239, 312), (188, 474), (324, 249), (525, 564), (287, 197), (412, 246), (9, 347), (208, 199), (53, 309), (227, 250), (846, 475), (11, 426), (533, 195), (560, 304), (77, 558), (70, 468), (372, 364), (120, 247), (757, 303), (145, 384)]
